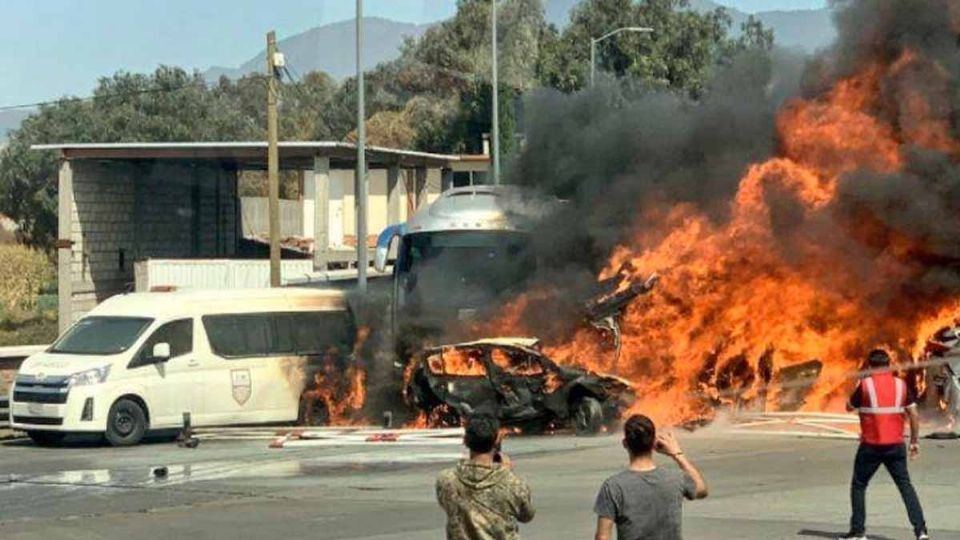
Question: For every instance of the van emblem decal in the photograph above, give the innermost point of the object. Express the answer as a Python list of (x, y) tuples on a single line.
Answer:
[(240, 379)]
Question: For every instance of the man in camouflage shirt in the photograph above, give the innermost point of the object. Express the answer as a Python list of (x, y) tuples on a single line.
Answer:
[(483, 499)]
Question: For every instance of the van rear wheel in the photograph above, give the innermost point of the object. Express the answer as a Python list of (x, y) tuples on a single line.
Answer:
[(46, 438), (126, 423)]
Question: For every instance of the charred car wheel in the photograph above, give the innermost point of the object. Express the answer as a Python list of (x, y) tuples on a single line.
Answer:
[(587, 416), (46, 438), (126, 423)]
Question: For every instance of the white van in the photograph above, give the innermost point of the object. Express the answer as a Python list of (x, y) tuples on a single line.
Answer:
[(138, 362)]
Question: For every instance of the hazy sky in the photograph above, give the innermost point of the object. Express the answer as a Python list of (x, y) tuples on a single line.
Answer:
[(772, 5), (55, 47)]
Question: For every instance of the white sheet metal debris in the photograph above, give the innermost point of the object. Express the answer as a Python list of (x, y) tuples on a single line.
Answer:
[(334, 436), (797, 424), (359, 436)]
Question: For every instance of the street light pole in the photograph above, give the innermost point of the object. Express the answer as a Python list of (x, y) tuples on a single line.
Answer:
[(360, 182), (594, 41), (593, 61), (496, 99)]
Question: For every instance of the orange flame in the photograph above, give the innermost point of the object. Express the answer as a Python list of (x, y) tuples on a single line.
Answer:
[(342, 392), (742, 297)]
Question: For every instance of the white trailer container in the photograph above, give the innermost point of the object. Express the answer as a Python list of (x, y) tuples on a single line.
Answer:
[(216, 273)]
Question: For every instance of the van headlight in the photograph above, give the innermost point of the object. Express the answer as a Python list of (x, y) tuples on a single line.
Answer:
[(90, 376)]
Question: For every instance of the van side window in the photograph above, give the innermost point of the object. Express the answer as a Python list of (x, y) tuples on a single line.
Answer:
[(315, 332), (276, 334), (237, 336), (178, 334)]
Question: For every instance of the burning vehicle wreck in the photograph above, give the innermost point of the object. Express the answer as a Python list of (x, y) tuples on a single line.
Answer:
[(512, 379)]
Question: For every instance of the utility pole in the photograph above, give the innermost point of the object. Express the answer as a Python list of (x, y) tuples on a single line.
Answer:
[(273, 160), (360, 182), (593, 61), (496, 99)]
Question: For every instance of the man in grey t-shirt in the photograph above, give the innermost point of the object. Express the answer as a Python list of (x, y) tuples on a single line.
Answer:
[(645, 501)]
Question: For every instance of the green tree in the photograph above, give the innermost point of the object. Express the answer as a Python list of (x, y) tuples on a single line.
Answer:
[(680, 53), (441, 83), (167, 105)]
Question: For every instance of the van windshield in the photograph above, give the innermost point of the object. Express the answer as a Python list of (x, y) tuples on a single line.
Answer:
[(101, 335)]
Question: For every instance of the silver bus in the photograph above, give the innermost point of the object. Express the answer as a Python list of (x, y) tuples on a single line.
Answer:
[(457, 259)]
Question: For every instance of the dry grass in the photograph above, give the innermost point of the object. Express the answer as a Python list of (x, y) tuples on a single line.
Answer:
[(23, 274)]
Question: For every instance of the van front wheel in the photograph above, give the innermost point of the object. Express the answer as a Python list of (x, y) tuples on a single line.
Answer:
[(126, 423)]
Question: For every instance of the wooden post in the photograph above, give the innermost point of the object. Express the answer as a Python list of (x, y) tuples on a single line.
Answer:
[(273, 161)]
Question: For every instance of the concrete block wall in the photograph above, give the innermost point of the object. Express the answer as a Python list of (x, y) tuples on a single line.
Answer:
[(122, 212), (102, 212)]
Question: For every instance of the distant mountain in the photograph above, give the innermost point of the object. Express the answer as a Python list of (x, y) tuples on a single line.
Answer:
[(331, 48), (806, 29), (809, 29), (10, 120)]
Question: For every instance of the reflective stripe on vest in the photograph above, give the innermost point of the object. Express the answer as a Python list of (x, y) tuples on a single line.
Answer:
[(871, 389), (883, 397)]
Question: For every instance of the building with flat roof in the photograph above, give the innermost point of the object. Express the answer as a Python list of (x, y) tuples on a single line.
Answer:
[(121, 204)]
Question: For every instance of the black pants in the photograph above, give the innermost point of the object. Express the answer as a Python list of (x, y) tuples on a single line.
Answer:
[(894, 458)]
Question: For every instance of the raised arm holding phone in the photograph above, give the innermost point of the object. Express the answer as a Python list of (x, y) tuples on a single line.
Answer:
[(646, 501)]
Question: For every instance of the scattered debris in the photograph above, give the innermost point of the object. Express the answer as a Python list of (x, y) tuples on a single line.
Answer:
[(797, 424), (943, 377), (604, 310), (366, 436), (186, 439), (795, 383)]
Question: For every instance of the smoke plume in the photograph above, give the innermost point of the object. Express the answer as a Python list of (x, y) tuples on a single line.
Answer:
[(801, 209)]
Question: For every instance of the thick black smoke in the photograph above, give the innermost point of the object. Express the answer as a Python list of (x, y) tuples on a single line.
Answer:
[(870, 30), (907, 221), (610, 150), (619, 154), (620, 150)]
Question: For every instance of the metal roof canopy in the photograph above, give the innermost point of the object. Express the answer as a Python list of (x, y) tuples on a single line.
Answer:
[(251, 154)]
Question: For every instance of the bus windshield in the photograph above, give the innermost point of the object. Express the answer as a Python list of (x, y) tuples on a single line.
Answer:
[(463, 269)]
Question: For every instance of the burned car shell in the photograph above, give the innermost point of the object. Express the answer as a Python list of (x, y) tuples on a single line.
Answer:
[(513, 380)]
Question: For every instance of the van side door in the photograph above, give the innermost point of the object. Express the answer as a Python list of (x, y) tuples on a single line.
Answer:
[(240, 345), (171, 385), (260, 361)]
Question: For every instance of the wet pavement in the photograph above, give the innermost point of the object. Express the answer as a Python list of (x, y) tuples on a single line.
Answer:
[(761, 487)]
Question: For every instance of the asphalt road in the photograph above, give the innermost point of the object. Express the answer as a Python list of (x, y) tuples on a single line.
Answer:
[(761, 487)]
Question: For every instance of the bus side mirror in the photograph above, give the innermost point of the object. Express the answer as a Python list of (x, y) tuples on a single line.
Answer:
[(384, 243), (160, 352)]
